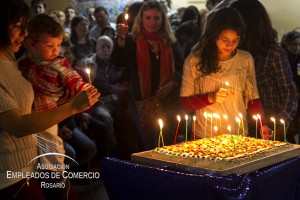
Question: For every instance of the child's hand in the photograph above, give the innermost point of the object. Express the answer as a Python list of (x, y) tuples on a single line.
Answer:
[(219, 96)]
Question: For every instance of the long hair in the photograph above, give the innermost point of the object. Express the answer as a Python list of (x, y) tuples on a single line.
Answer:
[(217, 21), (75, 21), (259, 35), (165, 31), (11, 12)]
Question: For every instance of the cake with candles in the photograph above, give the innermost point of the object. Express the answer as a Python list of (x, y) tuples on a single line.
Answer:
[(222, 150)]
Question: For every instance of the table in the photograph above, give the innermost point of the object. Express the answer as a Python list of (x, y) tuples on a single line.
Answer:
[(127, 180)]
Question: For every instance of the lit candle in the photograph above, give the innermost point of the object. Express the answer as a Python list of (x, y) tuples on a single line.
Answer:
[(229, 129), (88, 71), (258, 117), (255, 117), (274, 120), (216, 129), (217, 116), (194, 119), (161, 124), (225, 117), (284, 131), (178, 119), (238, 120), (186, 126), (241, 116), (205, 116), (210, 116), (227, 83), (126, 18)]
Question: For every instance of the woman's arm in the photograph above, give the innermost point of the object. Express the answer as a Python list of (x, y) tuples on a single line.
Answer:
[(21, 125)]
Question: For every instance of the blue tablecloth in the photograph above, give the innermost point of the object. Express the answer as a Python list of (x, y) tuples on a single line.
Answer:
[(129, 181)]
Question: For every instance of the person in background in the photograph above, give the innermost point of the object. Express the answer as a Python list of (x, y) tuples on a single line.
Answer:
[(17, 121), (102, 19), (291, 43), (211, 4), (84, 45), (214, 61), (110, 32), (276, 86), (147, 55), (38, 7), (70, 13), (51, 76)]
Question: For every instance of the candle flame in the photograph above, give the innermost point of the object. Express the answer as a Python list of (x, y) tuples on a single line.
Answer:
[(215, 128), (227, 83), (186, 117), (273, 119), (88, 71), (225, 116), (229, 128), (238, 120), (216, 115), (209, 115), (241, 116), (255, 117), (282, 121), (178, 118), (126, 16), (194, 118), (205, 115), (258, 116), (161, 124)]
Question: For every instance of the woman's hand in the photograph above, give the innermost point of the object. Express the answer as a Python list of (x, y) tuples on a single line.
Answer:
[(68, 95), (166, 89), (85, 99), (219, 96), (266, 133), (122, 31)]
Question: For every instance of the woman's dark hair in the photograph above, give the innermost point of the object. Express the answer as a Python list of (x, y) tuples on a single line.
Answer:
[(191, 13), (217, 21), (259, 35), (75, 21), (288, 38), (11, 12)]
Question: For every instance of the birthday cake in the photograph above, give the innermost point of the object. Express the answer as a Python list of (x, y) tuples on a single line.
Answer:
[(220, 151)]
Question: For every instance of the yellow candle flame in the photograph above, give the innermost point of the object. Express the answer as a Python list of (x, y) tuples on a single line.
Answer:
[(161, 124), (227, 83), (282, 121), (186, 117), (215, 128), (258, 116), (88, 71), (238, 120), (209, 115), (255, 117), (178, 118), (273, 119), (126, 16), (216, 115), (205, 115), (194, 118), (229, 128), (225, 117), (241, 116)]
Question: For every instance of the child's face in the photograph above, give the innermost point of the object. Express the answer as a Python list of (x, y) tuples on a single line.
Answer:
[(227, 42), (104, 49), (47, 48)]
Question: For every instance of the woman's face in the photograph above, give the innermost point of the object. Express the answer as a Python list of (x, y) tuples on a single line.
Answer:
[(152, 20), (294, 46), (227, 42), (17, 34), (82, 28)]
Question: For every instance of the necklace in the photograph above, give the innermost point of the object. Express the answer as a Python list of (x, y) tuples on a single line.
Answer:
[(154, 47)]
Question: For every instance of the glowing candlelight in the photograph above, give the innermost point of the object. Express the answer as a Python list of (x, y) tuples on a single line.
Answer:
[(205, 116), (238, 120), (274, 120), (186, 126), (258, 117), (217, 116), (88, 71), (194, 119), (178, 119), (210, 116), (255, 117), (126, 18), (284, 131), (241, 116), (161, 124), (229, 129)]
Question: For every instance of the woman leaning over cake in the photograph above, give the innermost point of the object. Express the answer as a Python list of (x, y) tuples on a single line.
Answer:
[(147, 54), (17, 146), (219, 79)]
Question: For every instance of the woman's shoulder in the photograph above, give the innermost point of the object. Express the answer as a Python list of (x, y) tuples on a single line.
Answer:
[(243, 53)]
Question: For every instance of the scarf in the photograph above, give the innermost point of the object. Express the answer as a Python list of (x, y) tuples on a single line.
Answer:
[(144, 62)]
